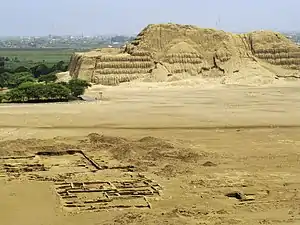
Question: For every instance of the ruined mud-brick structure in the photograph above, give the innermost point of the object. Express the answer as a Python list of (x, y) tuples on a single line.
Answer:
[(175, 49)]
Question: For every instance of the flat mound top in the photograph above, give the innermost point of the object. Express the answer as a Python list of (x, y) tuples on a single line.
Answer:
[(182, 47), (162, 39), (102, 51), (174, 26), (158, 37)]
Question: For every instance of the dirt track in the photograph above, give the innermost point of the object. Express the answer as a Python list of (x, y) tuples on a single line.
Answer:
[(210, 142)]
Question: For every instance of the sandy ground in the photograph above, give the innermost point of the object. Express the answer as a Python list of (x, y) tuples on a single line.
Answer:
[(209, 141)]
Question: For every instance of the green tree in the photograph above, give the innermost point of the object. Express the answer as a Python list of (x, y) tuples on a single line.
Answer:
[(2, 62), (21, 69), (4, 78), (63, 83), (57, 91), (51, 77), (38, 92), (31, 90), (78, 87), (60, 66), (18, 78), (66, 68), (16, 59), (1, 98), (40, 69), (15, 95)]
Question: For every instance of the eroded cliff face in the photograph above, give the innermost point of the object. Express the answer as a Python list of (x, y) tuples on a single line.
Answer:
[(185, 49)]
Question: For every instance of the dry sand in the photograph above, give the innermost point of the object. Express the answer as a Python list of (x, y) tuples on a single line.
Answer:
[(210, 140)]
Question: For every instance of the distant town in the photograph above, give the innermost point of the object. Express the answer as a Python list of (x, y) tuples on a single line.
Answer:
[(63, 42), (80, 42), (295, 36)]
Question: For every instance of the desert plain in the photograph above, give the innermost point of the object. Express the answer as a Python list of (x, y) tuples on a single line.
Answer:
[(186, 152)]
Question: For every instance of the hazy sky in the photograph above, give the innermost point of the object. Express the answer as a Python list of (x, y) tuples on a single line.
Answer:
[(90, 17)]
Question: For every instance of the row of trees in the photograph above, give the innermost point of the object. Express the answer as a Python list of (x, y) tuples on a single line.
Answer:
[(43, 69), (7, 59), (37, 83), (13, 78), (36, 92), (45, 92), (37, 70)]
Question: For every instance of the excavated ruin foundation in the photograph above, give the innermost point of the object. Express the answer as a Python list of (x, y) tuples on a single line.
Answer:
[(82, 183)]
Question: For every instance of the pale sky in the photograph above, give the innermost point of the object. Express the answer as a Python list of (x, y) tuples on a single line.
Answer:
[(92, 17)]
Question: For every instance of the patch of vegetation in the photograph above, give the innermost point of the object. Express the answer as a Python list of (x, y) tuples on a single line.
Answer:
[(15, 79), (77, 87), (37, 83), (51, 77), (28, 58), (44, 92), (38, 92)]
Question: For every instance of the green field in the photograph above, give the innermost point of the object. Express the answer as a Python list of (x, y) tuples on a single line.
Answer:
[(31, 57)]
